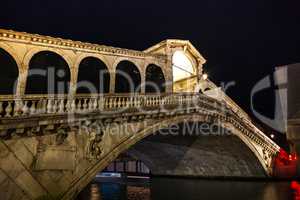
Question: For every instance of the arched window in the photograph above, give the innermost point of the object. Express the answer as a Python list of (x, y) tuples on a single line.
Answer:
[(9, 73), (155, 79), (48, 74), (93, 76), (128, 78), (182, 66)]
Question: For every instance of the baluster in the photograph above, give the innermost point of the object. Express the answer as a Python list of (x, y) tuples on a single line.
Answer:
[(102, 103), (136, 102), (73, 106), (115, 103), (79, 105), (68, 105), (110, 102), (95, 104), (32, 108), (127, 102), (8, 109), (61, 108), (85, 105), (25, 108), (55, 106), (119, 102), (17, 108), (90, 105), (49, 106), (113, 100)]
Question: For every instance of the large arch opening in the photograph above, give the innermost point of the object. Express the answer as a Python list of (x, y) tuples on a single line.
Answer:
[(182, 66), (9, 73), (184, 72), (128, 78), (93, 76), (191, 149), (155, 79), (48, 73)]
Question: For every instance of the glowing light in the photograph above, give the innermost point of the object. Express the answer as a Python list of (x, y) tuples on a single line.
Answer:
[(272, 136), (296, 187), (182, 66), (204, 76), (285, 165)]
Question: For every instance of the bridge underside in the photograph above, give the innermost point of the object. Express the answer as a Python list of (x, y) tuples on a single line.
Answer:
[(203, 156)]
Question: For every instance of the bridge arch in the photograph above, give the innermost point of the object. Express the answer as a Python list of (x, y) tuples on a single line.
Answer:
[(10, 73), (93, 74), (155, 79), (133, 138), (48, 73), (128, 77)]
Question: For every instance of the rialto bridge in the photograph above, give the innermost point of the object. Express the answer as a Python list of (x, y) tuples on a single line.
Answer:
[(54, 139)]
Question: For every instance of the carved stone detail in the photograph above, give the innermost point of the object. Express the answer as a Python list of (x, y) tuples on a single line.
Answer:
[(95, 136)]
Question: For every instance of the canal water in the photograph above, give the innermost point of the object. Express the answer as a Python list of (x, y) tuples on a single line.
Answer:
[(187, 189)]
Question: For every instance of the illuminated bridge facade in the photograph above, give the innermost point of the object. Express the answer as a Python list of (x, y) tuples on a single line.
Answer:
[(62, 121)]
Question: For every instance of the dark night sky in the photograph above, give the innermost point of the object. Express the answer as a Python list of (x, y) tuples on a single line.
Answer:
[(242, 40)]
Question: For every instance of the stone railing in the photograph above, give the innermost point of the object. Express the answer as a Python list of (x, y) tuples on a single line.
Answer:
[(33, 105)]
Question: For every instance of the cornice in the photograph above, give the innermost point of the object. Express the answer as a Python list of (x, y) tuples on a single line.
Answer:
[(37, 39)]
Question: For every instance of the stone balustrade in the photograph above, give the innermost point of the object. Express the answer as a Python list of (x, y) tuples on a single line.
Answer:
[(33, 105)]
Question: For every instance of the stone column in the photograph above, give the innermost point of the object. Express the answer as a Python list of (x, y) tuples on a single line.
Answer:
[(21, 82), (143, 81), (73, 80), (112, 82)]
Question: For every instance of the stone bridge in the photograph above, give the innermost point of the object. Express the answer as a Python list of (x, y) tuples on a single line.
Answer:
[(54, 141)]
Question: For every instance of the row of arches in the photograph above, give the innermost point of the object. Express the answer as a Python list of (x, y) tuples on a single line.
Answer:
[(49, 73)]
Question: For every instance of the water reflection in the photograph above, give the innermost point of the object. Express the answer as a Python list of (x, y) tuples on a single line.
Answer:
[(189, 189)]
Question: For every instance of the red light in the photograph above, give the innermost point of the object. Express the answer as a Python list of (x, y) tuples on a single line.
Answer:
[(285, 165), (296, 187)]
